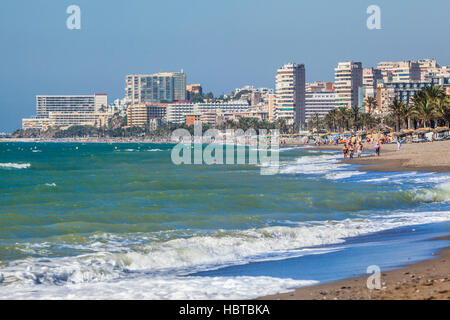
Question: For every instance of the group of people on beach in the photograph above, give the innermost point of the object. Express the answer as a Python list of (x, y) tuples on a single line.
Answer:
[(350, 147)]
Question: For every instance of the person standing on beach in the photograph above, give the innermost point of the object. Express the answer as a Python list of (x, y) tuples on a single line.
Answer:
[(377, 149), (359, 149), (399, 144), (351, 151), (345, 151)]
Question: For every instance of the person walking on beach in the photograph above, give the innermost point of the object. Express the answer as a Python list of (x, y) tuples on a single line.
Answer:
[(351, 151), (377, 149), (359, 149), (399, 144), (345, 151)]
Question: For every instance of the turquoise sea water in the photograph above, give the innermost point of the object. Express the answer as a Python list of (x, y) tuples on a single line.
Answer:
[(120, 220)]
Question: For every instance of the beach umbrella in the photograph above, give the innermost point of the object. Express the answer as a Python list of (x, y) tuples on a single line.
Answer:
[(422, 130), (441, 129)]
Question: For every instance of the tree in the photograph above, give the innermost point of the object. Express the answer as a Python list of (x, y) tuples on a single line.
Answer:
[(354, 113), (370, 104), (443, 110), (397, 109), (425, 110)]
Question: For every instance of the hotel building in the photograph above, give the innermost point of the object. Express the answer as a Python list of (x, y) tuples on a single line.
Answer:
[(69, 103), (68, 110), (320, 103), (290, 93), (164, 87), (176, 112), (400, 71), (348, 80), (141, 115), (402, 91)]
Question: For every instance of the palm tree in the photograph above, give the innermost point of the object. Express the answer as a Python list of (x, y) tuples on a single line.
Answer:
[(343, 117), (370, 104), (396, 109), (331, 119), (425, 110), (434, 92), (354, 112), (443, 110), (405, 114)]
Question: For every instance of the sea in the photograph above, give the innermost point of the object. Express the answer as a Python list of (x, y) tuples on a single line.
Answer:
[(122, 221)]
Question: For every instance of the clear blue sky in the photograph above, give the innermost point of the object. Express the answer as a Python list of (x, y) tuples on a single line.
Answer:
[(220, 44)]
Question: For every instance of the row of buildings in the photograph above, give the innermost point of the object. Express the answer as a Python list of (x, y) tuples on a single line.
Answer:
[(153, 99)]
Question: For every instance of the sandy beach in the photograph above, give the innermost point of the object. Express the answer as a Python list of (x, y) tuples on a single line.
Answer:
[(429, 279), (428, 156), (425, 280)]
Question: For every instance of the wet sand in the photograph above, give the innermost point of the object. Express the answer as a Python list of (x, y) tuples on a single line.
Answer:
[(425, 280)]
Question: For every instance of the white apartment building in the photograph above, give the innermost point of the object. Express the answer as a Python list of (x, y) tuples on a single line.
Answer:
[(400, 71), (176, 112), (348, 80), (290, 93), (69, 103), (68, 110), (320, 103)]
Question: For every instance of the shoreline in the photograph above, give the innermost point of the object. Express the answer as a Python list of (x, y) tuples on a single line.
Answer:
[(426, 156), (424, 280)]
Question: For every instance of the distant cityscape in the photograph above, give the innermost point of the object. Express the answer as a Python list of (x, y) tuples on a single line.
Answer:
[(154, 100)]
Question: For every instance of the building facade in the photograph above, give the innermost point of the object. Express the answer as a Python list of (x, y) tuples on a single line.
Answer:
[(400, 71), (68, 110), (290, 93), (165, 87), (348, 80), (176, 112), (319, 103), (69, 103)]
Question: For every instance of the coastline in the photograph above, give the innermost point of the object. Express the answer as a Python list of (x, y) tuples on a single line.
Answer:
[(423, 280), (427, 156), (427, 279)]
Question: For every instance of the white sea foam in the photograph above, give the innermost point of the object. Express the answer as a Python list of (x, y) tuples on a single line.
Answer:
[(154, 150), (440, 193), (326, 165), (15, 165), (103, 272), (51, 184), (343, 174), (160, 288)]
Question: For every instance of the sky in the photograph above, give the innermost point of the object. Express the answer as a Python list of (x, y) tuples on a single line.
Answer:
[(222, 44)]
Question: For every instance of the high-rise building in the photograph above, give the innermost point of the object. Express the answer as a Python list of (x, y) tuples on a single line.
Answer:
[(400, 71), (69, 110), (348, 80), (176, 112), (371, 76), (290, 93), (404, 92), (165, 87), (69, 103)]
